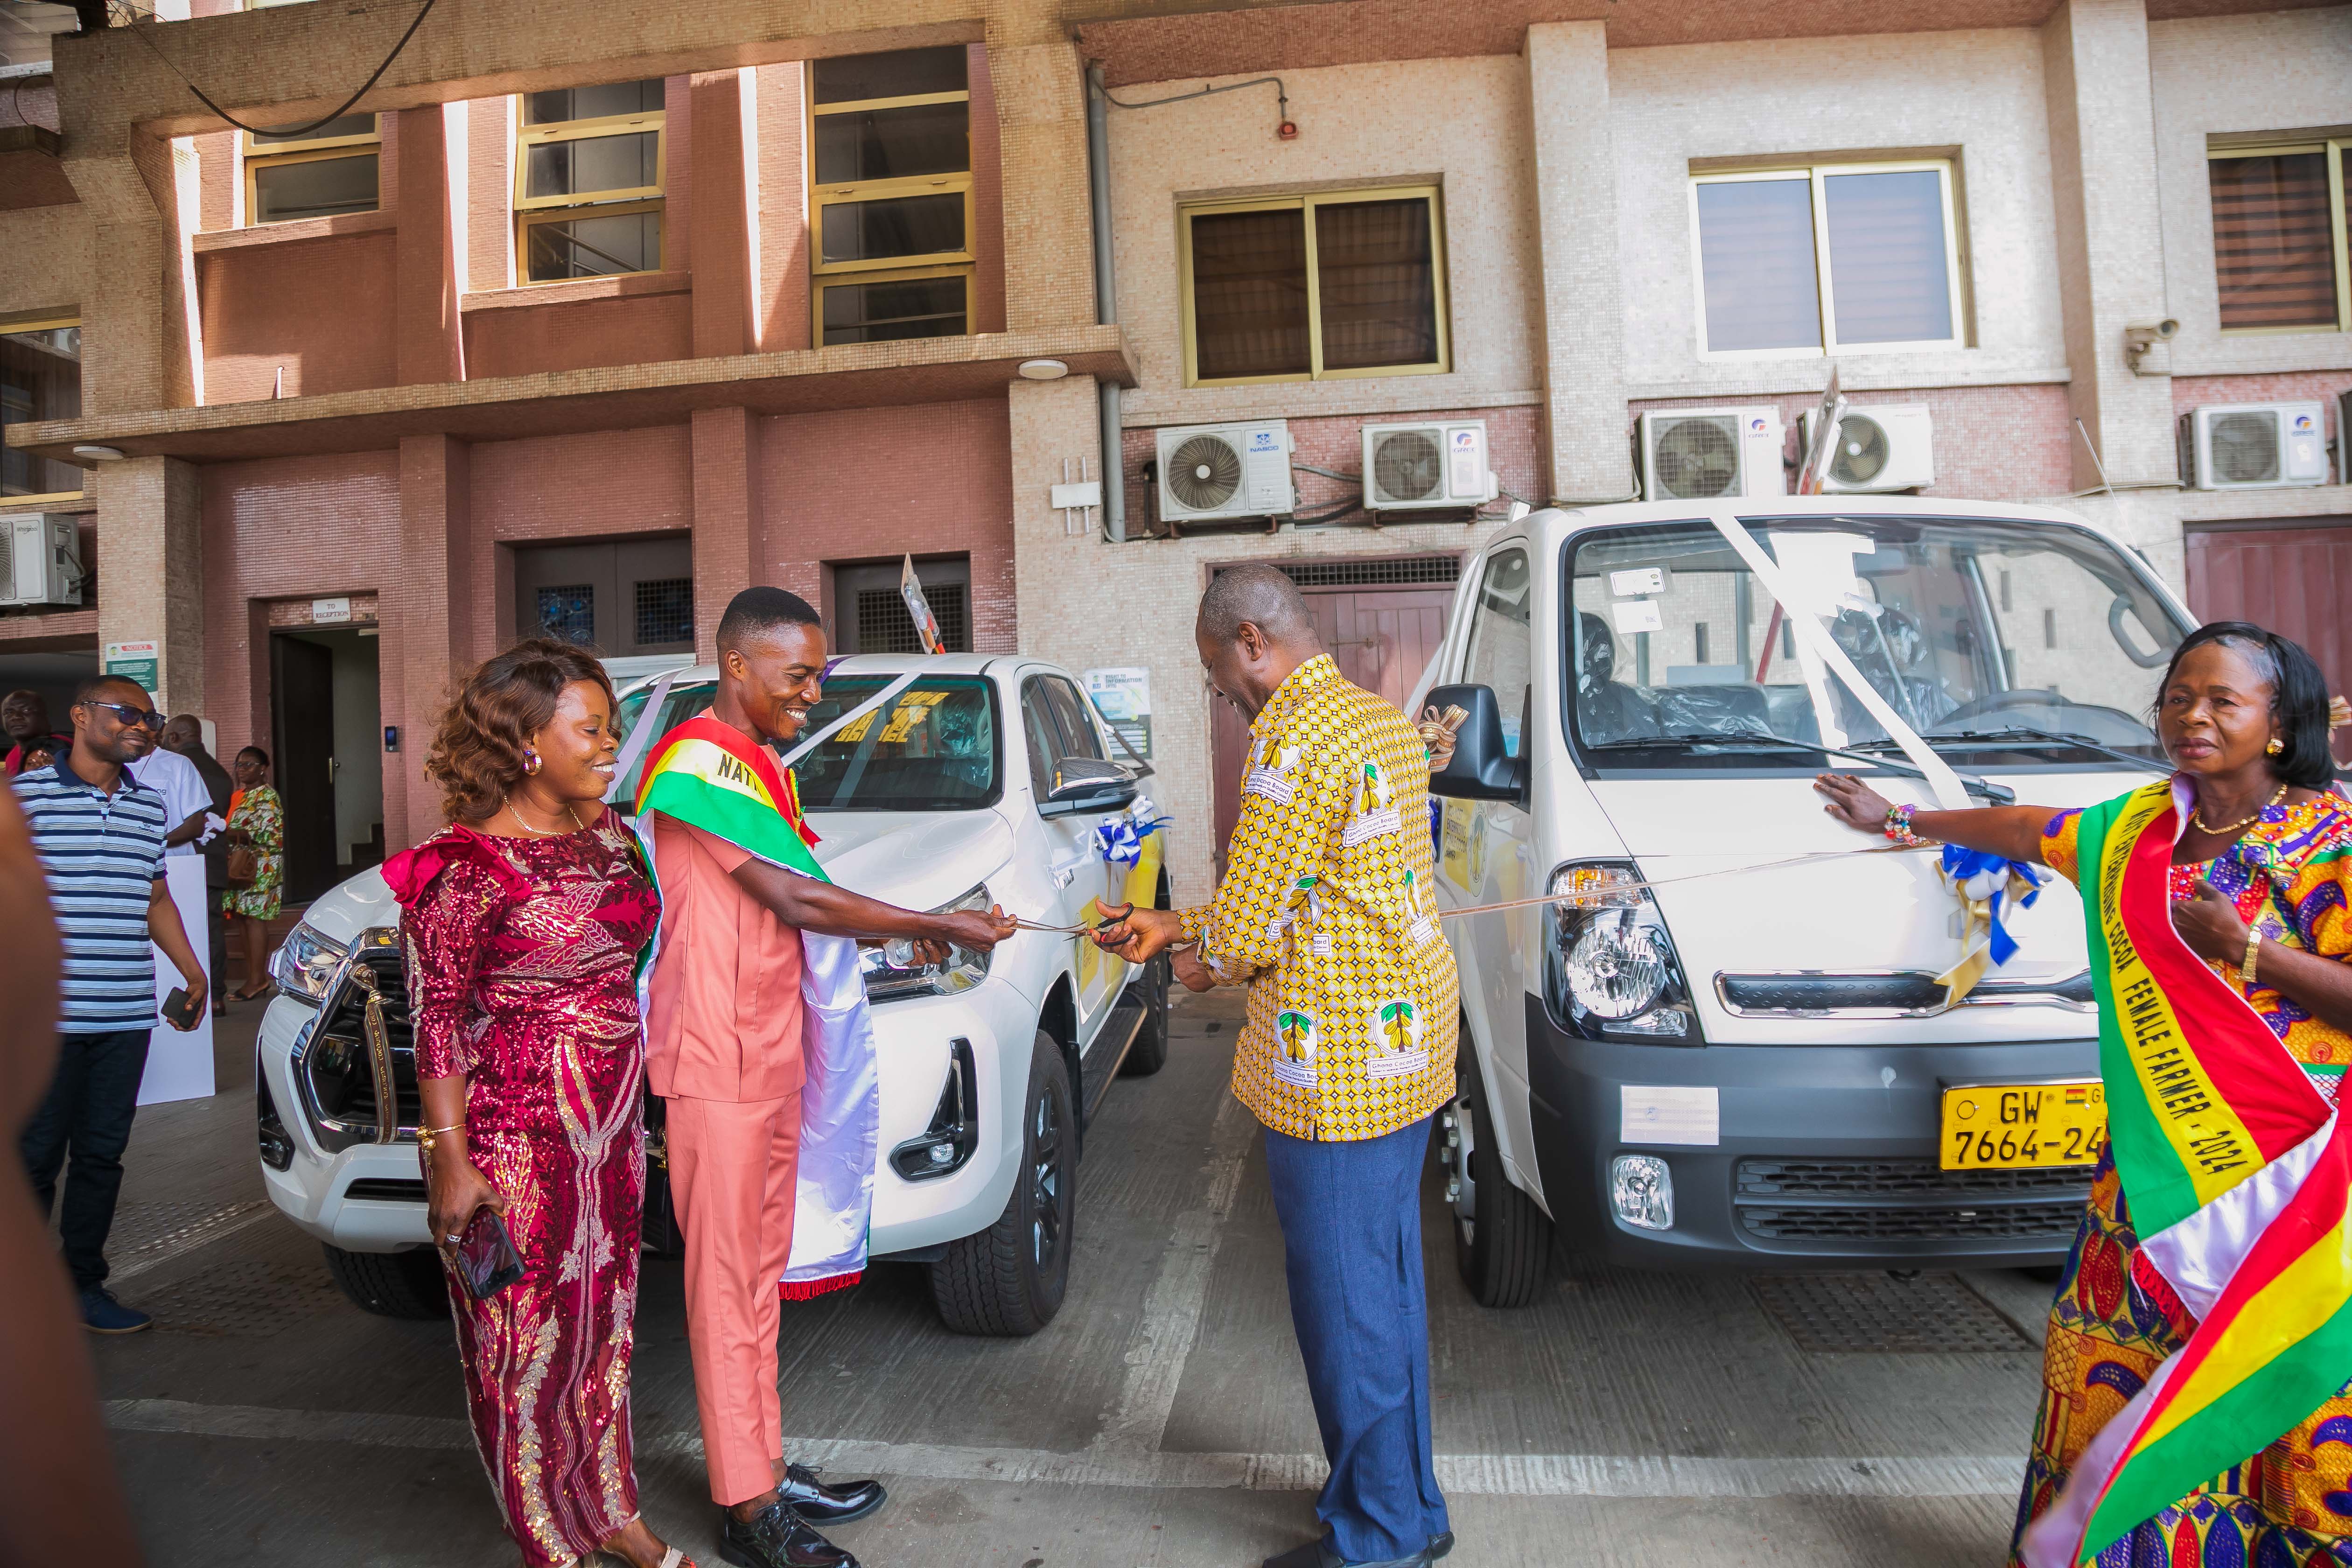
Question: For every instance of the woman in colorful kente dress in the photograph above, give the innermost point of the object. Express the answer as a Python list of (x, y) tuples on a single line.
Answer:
[(522, 923), (2194, 1412)]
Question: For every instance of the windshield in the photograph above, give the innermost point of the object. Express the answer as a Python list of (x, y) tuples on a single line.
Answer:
[(932, 747), (1988, 637)]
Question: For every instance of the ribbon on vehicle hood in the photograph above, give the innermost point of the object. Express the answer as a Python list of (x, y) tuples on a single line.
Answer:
[(1121, 838), (1983, 882)]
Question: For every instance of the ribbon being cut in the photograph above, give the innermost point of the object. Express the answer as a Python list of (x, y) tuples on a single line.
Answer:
[(708, 775), (2238, 1171)]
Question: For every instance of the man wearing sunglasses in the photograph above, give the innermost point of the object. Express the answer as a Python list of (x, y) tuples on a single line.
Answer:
[(99, 835)]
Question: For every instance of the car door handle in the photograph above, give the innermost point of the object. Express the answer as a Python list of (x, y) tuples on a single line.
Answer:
[(1066, 870)]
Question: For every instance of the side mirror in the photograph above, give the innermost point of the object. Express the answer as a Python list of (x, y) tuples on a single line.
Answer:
[(1481, 768), (1085, 783)]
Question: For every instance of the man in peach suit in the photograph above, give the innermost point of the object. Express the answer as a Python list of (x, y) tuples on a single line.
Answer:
[(724, 1032)]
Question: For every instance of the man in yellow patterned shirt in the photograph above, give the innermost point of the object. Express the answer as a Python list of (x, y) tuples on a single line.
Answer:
[(1328, 915)]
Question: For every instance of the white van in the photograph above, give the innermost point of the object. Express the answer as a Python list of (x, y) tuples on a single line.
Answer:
[(1750, 1061)]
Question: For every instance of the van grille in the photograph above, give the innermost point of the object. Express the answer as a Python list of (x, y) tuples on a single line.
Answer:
[(2011, 1222), (1901, 1178), (1850, 1201)]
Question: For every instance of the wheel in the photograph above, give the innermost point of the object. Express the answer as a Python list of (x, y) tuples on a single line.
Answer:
[(1502, 1241), (1009, 1279), (392, 1284), (1150, 1052)]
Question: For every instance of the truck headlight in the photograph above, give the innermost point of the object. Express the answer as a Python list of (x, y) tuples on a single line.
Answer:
[(892, 973), (1610, 969), (305, 964)]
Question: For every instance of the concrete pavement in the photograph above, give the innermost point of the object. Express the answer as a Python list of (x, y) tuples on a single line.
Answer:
[(1161, 1419)]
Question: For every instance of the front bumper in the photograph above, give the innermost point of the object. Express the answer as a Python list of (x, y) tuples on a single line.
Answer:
[(1827, 1157)]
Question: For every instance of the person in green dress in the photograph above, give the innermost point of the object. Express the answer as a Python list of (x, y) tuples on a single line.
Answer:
[(257, 820)]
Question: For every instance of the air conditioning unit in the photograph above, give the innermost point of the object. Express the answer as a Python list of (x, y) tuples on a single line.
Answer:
[(2253, 445), (1214, 472), (42, 564), (1888, 448), (1427, 467), (1705, 454)]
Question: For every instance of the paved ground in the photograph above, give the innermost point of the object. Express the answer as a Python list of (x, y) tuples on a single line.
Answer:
[(1162, 1419)]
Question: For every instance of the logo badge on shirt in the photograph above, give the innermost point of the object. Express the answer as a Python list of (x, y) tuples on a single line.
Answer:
[(1295, 1063), (1269, 774), (1375, 813), (1397, 1050)]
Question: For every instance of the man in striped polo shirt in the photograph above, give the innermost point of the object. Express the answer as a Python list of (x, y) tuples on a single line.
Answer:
[(99, 834)]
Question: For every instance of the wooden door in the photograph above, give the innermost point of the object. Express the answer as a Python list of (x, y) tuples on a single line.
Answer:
[(2290, 578), (302, 720), (1380, 638)]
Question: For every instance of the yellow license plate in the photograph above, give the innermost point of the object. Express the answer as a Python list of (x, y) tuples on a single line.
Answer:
[(2000, 1127)]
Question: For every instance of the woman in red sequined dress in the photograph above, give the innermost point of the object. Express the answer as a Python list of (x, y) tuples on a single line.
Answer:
[(522, 923)]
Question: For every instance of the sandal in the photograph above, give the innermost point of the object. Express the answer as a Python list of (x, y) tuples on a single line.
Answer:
[(254, 993)]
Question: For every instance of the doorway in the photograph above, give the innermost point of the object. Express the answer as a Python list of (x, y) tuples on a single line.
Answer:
[(326, 714), (1380, 620), (2287, 577)]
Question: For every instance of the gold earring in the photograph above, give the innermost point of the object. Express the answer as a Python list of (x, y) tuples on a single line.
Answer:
[(2276, 747)]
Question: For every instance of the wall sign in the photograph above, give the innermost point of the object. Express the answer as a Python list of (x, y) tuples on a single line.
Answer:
[(1123, 697), (326, 610), (141, 660)]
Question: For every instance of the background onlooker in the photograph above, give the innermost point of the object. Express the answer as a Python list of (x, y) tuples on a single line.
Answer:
[(185, 736), (100, 836), (257, 821), (25, 716), (59, 1498)]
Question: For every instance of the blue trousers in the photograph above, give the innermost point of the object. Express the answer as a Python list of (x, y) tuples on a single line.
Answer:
[(1350, 1215), (87, 1112)]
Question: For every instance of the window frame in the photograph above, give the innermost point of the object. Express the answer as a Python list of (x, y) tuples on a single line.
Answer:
[(253, 157), (1816, 175), (531, 212), (2338, 152), (45, 323), (1306, 202), (823, 273)]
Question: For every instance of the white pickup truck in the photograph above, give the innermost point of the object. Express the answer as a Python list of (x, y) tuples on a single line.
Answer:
[(990, 790)]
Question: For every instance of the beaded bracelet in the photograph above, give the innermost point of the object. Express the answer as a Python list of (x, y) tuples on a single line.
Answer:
[(1898, 826)]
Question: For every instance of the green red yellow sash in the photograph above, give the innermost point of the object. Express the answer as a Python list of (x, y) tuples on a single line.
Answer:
[(712, 775), (2239, 1177)]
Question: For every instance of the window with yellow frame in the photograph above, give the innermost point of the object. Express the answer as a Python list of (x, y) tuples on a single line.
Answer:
[(41, 378), (890, 195), (1315, 288), (326, 171), (2281, 244), (589, 181)]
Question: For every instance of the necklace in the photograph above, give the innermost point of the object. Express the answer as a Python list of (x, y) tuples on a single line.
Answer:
[(544, 832), (2198, 820)]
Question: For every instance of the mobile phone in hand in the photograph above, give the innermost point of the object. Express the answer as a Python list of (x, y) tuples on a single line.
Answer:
[(181, 1010)]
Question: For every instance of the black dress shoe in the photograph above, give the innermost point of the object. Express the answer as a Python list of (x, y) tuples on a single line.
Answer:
[(822, 1504), (776, 1537), (1440, 1545), (1322, 1555)]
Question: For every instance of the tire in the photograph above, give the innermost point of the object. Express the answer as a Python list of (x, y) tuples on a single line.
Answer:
[(392, 1284), (1502, 1241), (1008, 1280), (1150, 1052)]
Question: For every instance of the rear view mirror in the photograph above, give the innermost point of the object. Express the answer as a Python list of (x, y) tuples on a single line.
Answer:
[(1087, 783), (1482, 769)]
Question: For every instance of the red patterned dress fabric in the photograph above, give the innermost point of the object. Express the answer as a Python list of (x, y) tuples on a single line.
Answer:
[(522, 958), (2115, 1319)]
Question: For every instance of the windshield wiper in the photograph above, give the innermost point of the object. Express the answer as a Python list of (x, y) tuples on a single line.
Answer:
[(1983, 789), (2053, 736)]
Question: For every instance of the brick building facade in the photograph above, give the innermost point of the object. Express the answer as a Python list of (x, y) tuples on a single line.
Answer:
[(380, 409)]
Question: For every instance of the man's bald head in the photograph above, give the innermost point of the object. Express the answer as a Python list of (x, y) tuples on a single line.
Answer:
[(1262, 596), (185, 733), (1252, 632)]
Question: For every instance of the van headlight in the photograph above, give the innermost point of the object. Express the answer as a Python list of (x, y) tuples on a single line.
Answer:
[(1610, 969), (304, 964), (892, 973)]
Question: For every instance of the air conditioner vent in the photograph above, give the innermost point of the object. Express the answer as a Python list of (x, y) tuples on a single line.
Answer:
[(1218, 472), (1703, 454), (40, 559), (1427, 467), (2253, 445), (1881, 448)]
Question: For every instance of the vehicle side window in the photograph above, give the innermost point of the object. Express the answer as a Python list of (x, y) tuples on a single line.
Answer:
[(1037, 728), (1502, 640), (1079, 736)]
